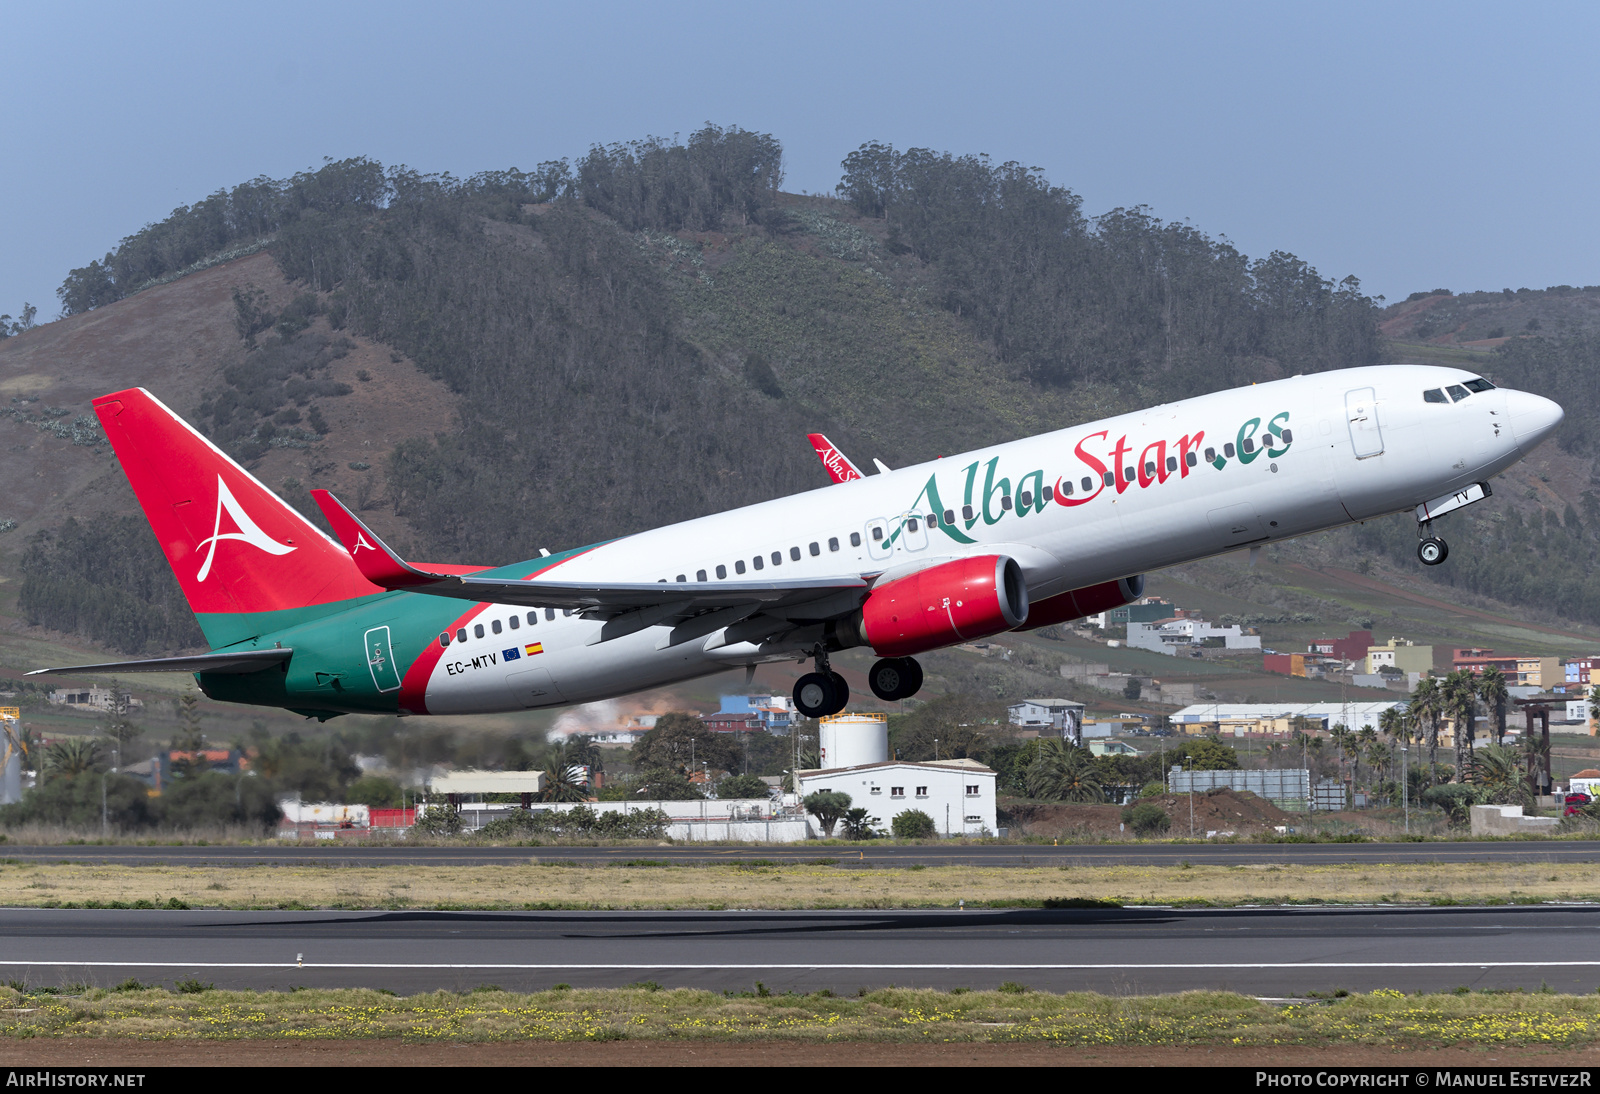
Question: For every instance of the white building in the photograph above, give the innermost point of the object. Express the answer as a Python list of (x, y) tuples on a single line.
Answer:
[(1354, 715), (1175, 636), (1062, 715), (958, 794)]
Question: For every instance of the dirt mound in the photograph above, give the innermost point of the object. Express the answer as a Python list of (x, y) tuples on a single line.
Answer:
[(1239, 812)]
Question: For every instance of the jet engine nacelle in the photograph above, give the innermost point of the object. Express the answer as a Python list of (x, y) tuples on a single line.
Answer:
[(1089, 600), (952, 602)]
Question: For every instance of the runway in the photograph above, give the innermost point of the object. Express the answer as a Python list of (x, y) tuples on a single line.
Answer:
[(1273, 952), (871, 853)]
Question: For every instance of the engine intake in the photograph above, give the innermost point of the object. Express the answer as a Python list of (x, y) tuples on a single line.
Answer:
[(953, 602), (1089, 600)]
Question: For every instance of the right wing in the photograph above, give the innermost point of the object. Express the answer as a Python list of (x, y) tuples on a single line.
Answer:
[(235, 663)]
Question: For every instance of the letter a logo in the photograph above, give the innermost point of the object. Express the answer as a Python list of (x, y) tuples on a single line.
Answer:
[(249, 531)]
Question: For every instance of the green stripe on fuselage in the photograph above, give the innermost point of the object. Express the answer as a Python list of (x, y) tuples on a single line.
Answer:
[(329, 672)]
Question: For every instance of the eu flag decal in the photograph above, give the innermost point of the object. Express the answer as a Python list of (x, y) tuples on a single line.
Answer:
[(511, 654)]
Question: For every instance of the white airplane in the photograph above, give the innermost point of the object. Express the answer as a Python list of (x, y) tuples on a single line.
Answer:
[(1011, 537)]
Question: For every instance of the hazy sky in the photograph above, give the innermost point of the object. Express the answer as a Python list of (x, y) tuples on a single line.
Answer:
[(1414, 145)]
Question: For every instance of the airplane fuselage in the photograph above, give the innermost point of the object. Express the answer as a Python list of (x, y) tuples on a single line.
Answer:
[(1079, 506)]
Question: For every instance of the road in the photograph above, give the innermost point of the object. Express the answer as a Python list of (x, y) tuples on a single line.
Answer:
[(1276, 952), (869, 854)]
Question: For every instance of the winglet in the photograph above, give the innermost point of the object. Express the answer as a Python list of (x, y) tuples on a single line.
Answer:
[(377, 563), (838, 467)]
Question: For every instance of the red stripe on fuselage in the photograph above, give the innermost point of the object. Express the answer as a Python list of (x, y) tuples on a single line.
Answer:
[(414, 688)]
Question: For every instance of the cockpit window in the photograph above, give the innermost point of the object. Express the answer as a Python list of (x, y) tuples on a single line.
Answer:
[(1434, 395), (1457, 392), (1478, 384)]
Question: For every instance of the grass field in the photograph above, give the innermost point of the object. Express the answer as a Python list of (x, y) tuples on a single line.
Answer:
[(645, 1012), (647, 884)]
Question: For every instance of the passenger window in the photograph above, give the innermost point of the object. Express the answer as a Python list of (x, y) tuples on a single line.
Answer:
[(794, 554), (758, 562), (877, 533), (1127, 474), (461, 635), (1434, 395), (566, 611), (699, 575), (477, 630), (1479, 384), (1457, 392), (1005, 503), (1172, 463), (444, 640), (495, 626), (1066, 487), (833, 543), (1190, 458), (912, 525), (777, 558), (1287, 435), (738, 566), (681, 577), (550, 613), (1149, 468), (533, 617), (949, 517), (722, 572), (1227, 450), (1111, 478), (1088, 484), (933, 520), (815, 548), (1249, 445), (855, 539), (1211, 455), (1025, 499), (966, 512), (516, 623)]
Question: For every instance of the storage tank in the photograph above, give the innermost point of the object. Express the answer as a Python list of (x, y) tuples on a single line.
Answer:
[(849, 740)]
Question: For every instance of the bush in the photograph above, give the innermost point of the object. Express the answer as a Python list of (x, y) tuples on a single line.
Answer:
[(1152, 790), (742, 786), (439, 820), (1146, 819), (914, 824)]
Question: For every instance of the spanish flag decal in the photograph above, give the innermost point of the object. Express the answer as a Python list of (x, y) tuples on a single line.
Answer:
[(533, 647)]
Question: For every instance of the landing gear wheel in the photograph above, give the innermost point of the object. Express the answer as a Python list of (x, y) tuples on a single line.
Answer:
[(816, 695), (895, 678), (1433, 551), (841, 693)]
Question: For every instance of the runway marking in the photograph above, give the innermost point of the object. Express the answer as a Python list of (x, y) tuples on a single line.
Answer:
[(1554, 962)]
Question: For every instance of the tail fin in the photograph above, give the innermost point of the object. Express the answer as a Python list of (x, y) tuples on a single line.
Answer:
[(238, 550)]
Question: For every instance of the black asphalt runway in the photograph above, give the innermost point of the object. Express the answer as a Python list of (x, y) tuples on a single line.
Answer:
[(1273, 952), (336, 853)]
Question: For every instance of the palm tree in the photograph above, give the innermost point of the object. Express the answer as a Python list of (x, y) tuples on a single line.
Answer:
[(1426, 701), (558, 784), (1061, 772), (1501, 771), (1459, 702), (70, 757), (1492, 690)]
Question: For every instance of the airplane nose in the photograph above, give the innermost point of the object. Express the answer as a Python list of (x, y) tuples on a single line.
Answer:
[(1533, 418)]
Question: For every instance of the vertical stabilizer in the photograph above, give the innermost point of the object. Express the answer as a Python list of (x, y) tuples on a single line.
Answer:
[(245, 560)]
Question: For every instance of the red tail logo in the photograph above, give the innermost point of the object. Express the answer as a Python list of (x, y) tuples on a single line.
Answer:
[(255, 553), (248, 530), (838, 467)]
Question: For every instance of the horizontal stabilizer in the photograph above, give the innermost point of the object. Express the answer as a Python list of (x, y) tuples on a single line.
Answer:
[(381, 566), (236, 663)]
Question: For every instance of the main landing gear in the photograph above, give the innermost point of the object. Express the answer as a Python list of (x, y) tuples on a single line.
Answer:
[(1432, 550), (823, 692), (895, 678)]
